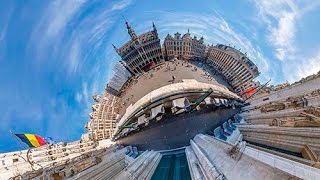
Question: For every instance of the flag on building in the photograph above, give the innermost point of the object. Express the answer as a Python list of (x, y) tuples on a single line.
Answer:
[(32, 140), (249, 91)]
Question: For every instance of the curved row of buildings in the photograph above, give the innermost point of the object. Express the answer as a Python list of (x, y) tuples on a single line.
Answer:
[(144, 52)]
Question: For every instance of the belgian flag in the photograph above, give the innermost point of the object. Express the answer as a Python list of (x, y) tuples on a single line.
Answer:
[(32, 140)]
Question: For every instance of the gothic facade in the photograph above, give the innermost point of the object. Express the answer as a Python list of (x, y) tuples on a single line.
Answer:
[(141, 52)]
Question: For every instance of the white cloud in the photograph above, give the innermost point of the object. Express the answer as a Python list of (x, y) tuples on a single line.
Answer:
[(59, 14), (282, 36), (4, 23), (74, 56), (53, 31), (85, 91), (3, 33), (282, 18), (121, 5), (312, 67), (48, 32), (78, 97)]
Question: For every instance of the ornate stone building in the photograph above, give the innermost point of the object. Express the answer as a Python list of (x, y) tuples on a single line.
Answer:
[(141, 52), (237, 69), (80, 161), (184, 48), (286, 121), (37, 162), (104, 117)]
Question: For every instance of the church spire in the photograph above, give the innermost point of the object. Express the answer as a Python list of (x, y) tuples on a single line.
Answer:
[(131, 31), (115, 48), (154, 28)]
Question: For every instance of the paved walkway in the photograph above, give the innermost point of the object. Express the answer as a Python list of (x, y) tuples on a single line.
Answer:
[(163, 75)]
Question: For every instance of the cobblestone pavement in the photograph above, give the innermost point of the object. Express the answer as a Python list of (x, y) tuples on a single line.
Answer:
[(163, 75)]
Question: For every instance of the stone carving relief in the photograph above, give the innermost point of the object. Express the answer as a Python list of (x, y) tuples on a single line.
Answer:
[(291, 102), (67, 168), (308, 118), (273, 106), (314, 93), (297, 102), (308, 153), (315, 111), (294, 122)]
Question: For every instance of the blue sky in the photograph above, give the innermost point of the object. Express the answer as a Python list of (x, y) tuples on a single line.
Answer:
[(54, 55)]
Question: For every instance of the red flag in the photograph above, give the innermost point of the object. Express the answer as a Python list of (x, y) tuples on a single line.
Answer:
[(249, 91)]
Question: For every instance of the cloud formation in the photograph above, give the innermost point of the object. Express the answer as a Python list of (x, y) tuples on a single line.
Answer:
[(60, 65), (282, 19), (121, 5)]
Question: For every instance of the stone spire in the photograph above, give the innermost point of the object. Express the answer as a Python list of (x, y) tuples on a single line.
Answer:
[(154, 29), (131, 31), (115, 48)]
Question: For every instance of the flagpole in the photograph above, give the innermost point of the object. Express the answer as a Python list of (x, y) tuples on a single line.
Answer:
[(21, 144), (258, 90)]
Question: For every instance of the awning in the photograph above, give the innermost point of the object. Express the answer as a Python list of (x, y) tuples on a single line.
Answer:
[(157, 110), (125, 130), (208, 100), (181, 103), (217, 101), (142, 119), (224, 102)]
